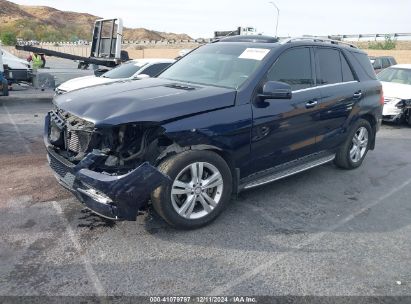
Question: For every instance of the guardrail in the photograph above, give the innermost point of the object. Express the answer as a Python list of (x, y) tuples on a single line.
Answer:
[(206, 40), (126, 42), (359, 36)]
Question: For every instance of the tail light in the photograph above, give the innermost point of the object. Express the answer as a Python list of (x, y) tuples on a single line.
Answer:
[(382, 97)]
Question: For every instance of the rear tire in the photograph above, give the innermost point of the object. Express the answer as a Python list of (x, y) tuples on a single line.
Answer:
[(352, 153), (200, 189)]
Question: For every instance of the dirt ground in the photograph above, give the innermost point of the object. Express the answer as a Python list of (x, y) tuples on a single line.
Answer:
[(29, 173)]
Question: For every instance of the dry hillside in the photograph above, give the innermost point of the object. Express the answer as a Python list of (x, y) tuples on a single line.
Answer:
[(50, 24)]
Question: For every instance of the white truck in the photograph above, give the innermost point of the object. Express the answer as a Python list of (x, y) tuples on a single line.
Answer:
[(241, 30)]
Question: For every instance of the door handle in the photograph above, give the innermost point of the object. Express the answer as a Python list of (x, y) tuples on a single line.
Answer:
[(311, 104), (357, 95)]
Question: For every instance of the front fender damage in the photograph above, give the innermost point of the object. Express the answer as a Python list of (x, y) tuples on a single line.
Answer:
[(117, 197)]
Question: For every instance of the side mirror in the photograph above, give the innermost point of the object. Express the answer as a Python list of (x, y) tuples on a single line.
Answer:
[(276, 90), (141, 76), (100, 72)]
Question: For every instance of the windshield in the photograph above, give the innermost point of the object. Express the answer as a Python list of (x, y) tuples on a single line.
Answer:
[(395, 75), (224, 65), (126, 70)]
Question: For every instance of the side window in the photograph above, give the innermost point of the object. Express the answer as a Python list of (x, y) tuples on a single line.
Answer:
[(293, 67), (155, 69), (329, 63), (346, 70)]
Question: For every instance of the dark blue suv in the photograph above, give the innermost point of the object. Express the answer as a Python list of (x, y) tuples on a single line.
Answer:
[(229, 116)]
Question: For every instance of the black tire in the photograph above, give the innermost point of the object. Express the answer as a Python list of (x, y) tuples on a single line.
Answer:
[(342, 158), (172, 167), (5, 89), (408, 117)]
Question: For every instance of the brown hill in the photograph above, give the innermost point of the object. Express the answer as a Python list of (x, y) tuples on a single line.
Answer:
[(49, 24)]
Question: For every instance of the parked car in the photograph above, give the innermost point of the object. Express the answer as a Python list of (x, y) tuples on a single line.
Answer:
[(396, 82), (382, 62), (229, 116), (133, 69)]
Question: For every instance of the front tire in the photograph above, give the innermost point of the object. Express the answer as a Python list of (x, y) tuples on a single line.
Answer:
[(200, 189), (352, 153)]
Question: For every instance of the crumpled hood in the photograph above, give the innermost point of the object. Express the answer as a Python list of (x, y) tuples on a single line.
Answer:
[(396, 90), (147, 100), (83, 82)]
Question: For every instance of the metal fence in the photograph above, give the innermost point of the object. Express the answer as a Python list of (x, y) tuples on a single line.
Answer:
[(195, 41)]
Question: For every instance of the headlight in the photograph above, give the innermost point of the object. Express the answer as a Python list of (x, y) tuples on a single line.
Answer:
[(59, 91)]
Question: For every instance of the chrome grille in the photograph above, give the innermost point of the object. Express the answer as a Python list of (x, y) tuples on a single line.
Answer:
[(73, 142), (77, 141), (76, 133)]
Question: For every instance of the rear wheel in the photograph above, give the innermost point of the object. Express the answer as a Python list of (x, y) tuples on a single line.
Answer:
[(352, 153), (201, 187)]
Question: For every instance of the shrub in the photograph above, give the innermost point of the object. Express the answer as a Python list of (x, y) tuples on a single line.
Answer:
[(388, 44), (8, 38)]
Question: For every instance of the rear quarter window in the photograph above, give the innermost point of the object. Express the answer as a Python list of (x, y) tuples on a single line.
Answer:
[(362, 60)]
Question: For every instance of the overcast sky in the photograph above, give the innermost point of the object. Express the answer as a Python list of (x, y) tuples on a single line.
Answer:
[(200, 18)]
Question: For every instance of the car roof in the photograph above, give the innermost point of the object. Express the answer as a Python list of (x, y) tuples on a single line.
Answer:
[(272, 42), (402, 66)]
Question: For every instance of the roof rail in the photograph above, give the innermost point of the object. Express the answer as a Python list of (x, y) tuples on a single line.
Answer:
[(317, 39)]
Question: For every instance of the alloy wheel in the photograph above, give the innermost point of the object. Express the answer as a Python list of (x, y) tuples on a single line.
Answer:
[(359, 145), (197, 190)]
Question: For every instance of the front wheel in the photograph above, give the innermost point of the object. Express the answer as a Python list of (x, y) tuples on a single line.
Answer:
[(201, 187), (352, 153)]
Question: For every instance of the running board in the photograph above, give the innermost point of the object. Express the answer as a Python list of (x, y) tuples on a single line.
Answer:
[(288, 172)]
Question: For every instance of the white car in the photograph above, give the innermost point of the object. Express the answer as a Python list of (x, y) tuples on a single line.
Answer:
[(134, 69), (396, 83)]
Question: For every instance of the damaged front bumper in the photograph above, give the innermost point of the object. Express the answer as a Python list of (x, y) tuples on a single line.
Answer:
[(392, 113), (117, 197), (396, 110)]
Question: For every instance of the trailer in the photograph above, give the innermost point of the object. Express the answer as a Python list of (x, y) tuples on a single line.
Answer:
[(105, 48), (4, 86)]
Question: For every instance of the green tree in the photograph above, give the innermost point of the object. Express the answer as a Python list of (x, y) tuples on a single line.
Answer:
[(8, 38)]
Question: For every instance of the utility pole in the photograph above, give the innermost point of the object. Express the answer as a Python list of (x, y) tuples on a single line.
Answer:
[(278, 16)]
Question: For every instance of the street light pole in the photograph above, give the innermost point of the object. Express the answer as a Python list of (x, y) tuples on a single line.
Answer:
[(278, 16)]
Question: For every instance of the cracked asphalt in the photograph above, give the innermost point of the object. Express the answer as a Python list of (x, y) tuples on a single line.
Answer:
[(325, 232)]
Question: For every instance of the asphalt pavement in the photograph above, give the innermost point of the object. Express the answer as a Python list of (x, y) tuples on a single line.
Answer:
[(324, 232)]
